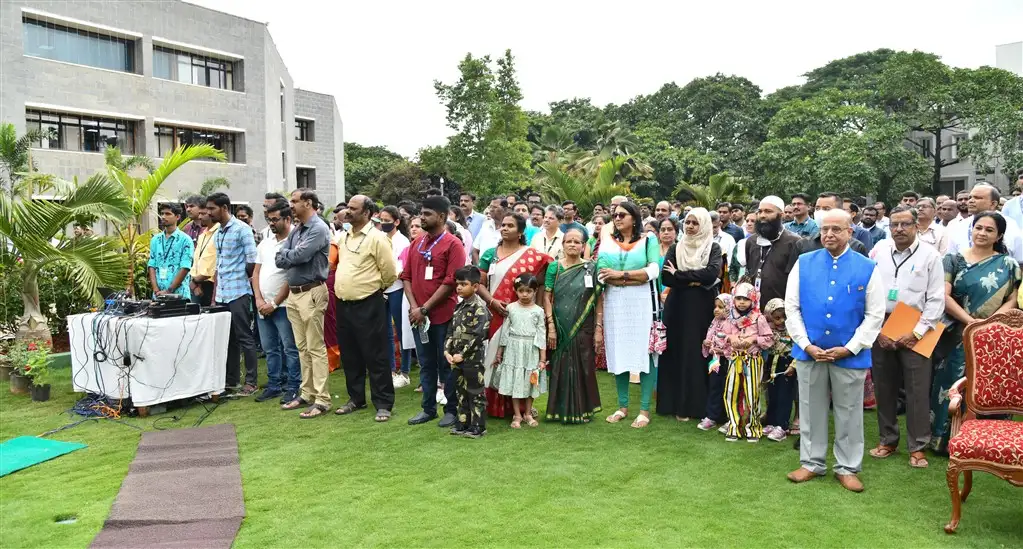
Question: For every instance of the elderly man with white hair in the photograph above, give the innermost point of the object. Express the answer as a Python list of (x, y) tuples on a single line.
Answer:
[(771, 252), (834, 305)]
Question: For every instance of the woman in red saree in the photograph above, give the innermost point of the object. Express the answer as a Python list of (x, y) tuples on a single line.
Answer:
[(500, 266), (330, 320)]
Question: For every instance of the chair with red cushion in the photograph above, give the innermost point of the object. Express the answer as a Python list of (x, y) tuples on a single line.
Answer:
[(993, 385)]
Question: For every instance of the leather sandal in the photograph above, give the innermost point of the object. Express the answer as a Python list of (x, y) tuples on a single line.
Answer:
[(918, 460), (348, 408), (882, 451)]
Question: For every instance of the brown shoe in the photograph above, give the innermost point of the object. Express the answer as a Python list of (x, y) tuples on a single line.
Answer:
[(801, 475), (850, 482)]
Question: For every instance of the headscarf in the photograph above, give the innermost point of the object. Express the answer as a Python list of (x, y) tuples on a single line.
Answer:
[(727, 300), (773, 305), (693, 251), (740, 319)]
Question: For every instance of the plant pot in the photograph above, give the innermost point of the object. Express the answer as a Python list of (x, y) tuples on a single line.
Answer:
[(20, 384), (5, 371), (41, 393)]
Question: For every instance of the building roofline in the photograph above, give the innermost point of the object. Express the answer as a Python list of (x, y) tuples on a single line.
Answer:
[(264, 23)]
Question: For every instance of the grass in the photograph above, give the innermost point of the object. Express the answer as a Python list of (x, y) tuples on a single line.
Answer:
[(348, 481)]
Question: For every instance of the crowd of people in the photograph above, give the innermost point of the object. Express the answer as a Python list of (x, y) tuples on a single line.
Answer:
[(715, 312)]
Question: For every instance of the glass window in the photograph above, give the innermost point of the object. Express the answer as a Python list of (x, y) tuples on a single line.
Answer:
[(60, 43), (306, 178), (72, 132), (304, 130), (192, 68), (168, 138)]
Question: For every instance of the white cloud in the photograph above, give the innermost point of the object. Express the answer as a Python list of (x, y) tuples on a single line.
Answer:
[(379, 59)]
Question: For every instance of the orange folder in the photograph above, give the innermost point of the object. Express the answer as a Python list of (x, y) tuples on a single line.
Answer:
[(902, 321)]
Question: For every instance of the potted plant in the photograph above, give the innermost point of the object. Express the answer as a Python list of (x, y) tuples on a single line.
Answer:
[(37, 368), (17, 355), (5, 366)]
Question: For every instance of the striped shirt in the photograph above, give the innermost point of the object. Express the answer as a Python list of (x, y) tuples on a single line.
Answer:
[(235, 247)]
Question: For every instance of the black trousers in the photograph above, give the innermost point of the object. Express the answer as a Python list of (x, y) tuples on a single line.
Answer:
[(362, 337), (241, 342), (206, 298)]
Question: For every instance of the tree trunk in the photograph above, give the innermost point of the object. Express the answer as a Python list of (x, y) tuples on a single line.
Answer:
[(33, 324), (936, 181)]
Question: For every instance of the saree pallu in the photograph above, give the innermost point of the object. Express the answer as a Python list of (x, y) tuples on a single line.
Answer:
[(500, 281), (330, 317), (573, 395)]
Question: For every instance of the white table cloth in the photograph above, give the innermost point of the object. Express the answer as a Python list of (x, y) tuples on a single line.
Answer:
[(170, 358)]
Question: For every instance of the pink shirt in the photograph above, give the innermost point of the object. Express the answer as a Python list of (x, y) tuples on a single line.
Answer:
[(758, 328)]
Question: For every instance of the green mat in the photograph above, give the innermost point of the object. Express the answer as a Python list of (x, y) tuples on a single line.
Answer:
[(19, 453)]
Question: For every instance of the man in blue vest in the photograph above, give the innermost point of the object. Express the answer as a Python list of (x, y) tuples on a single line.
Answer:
[(832, 332)]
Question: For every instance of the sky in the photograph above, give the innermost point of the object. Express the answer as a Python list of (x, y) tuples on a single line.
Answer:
[(379, 59)]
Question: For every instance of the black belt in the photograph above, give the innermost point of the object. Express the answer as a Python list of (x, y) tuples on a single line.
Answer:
[(305, 287)]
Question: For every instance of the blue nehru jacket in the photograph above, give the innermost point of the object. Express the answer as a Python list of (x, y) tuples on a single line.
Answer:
[(833, 301)]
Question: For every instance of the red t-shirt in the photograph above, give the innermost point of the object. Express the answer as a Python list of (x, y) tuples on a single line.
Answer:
[(446, 257)]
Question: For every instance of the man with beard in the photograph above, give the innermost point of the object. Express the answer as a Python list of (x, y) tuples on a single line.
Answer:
[(962, 206), (429, 279), (270, 288), (869, 222), (475, 220), (771, 253)]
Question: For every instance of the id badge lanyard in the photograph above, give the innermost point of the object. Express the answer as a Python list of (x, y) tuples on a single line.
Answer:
[(893, 293)]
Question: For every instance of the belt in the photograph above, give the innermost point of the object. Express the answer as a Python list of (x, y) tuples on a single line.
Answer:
[(305, 287), (378, 293)]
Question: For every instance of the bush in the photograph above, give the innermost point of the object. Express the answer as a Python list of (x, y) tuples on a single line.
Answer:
[(59, 297)]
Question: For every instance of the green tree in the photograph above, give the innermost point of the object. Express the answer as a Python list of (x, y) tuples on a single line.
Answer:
[(15, 157), (584, 189), (112, 156), (580, 118), (364, 166), (944, 104), (32, 235), (489, 152), (720, 187), (402, 180)]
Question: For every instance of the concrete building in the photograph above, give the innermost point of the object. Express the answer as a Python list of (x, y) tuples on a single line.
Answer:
[(149, 76), (1010, 57)]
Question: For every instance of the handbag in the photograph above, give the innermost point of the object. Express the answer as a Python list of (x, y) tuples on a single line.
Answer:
[(658, 340)]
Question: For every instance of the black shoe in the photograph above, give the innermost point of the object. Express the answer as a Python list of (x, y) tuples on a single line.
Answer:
[(288, 396), (267, 394), (448, 420), (459, 429), (422, 417), (475, 432)]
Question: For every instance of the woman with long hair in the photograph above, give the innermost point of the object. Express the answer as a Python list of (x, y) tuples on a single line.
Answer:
[(500, 266), (691, 270), (979, 281), (628, 265), (574, 308)]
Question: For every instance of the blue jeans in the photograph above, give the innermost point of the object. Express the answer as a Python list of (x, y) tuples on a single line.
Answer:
[(780, 393), (394, 308), (279, 345), (432, 365)]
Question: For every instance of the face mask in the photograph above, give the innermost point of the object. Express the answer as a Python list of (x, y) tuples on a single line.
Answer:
[(346, 226), (818, 216), (387, 227)]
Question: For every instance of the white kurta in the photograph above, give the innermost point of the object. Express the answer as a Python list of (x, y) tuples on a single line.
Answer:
[(627, 320)]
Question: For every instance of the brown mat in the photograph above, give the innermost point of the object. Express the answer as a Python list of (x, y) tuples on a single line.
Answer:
[(184, 489)]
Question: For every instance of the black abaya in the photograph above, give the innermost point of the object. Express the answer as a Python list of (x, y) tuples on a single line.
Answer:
[(688, 312)]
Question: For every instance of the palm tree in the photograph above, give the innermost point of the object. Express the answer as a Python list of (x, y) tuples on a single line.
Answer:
[(140, 193), (32, 237), (560, 185), (15, 158), (720, 187), (554, 146), (112, 157), (615, 142)]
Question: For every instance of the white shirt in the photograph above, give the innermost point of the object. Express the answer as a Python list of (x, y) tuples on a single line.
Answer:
[(883, 223), (398, 244), (487, 238), (1013, 209), (552, 247), (726, 242), (866, 332), (271, 279), (920, 282), (466, 243), (936, 236), (959, 237)]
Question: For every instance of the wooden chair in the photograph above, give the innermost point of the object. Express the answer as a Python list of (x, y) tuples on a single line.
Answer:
[(993, 385)]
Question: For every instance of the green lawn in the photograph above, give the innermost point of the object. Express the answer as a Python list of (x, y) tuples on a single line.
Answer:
[(349, 482)]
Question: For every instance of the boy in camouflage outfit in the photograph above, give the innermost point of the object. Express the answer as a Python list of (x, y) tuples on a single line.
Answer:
[(465, 349)]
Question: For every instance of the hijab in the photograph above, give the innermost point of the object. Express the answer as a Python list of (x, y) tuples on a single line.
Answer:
[(745, 319), (693, 251), (726, 299)]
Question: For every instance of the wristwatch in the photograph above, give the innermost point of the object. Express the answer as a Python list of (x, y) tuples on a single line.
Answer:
[(423, 311), (625, 275)]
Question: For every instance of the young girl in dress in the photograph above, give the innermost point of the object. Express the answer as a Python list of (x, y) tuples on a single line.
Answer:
[(715, 347), (781, 377), (521, 361), (749, 334)]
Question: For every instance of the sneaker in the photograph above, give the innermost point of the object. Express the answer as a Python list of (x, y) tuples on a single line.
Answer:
[(768, 429), (267, 394), (706, 424), (723, 429), (288, 396), (753, 440), (475, 432), (731, 439), (459, 429), (401, 380), (778, 435)]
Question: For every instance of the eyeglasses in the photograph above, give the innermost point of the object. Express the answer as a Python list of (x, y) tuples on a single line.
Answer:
[(620, 215), (273, 219), (900, 225)]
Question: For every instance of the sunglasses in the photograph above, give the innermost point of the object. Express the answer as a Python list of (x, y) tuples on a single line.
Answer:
[(620, 215)]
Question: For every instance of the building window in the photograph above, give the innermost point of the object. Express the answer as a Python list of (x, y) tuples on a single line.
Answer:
[(926, 147), (306, 178), (282, 103), (82, 47), (192, 68), (169, 138), (81, 132), (304, 130)]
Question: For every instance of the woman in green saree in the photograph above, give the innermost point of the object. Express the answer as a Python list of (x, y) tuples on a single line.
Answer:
[(574, 330), (979, 282)]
